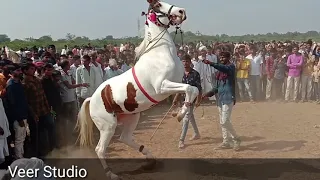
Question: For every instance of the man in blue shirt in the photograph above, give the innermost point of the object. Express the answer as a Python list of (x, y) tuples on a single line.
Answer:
[(226, 99)]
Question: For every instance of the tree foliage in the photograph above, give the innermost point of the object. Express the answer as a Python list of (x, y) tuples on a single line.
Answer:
[(71, 40)]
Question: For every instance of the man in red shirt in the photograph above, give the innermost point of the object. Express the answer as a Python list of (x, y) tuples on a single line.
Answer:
[(270, 72)]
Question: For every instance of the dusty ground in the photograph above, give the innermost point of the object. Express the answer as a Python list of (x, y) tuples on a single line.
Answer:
[(268, 130)]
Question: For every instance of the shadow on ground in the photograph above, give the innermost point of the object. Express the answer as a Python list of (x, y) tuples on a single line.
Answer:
[(239, 169), (225, 169), (284, 146)]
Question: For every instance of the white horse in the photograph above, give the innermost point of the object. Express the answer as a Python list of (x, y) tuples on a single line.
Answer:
[(156, 76)]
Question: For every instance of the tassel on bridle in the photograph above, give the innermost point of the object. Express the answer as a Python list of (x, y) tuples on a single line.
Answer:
[(144, 14)]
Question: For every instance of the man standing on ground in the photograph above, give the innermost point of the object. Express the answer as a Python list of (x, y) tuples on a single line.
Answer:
[(39, 108), (191, 77), (17, 109), (85, 75), (225, 90), (255, 71), (294, 63)]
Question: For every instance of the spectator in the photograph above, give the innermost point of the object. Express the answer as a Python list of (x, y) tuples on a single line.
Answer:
[(4, 76), (306, 77), (97, 70), (294, 64), (51, 88), (270, 72), (126, 65), (4, 133), (40, 111), (243, 66), (17, 109), (191, 77), (39, 69), (67, 91), (280, 68), (85, 75), (73, 68), (65, 50), (315, 79), (52, 51), (256, 62), (52, 91), (113, 70)]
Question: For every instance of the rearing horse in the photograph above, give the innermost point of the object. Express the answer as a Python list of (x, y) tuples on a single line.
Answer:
[(156, 75)]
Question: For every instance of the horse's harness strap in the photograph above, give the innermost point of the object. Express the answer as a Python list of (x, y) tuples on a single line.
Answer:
[(141, 88)]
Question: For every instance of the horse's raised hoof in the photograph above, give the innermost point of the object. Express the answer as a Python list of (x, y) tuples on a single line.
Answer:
[(174, 114), (150, 164), (180, 117)]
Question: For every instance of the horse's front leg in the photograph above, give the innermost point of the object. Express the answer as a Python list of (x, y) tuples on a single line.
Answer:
[(174, 88)]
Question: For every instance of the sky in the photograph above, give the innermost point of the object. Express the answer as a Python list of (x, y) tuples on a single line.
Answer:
[(99, 18)]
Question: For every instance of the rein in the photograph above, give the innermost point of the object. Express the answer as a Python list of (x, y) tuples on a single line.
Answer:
[(181, 34)]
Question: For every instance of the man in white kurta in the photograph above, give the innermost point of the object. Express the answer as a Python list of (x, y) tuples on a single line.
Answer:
[(97, 70), (208, 72), (85, 74), (198, 66), (4, 133), (212, 58)]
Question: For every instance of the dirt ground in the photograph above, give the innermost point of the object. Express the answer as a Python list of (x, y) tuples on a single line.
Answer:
[(267, 130)]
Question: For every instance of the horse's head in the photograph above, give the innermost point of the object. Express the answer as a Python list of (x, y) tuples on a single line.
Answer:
[(165, 14)]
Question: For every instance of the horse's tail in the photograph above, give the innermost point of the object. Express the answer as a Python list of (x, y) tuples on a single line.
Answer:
[(85, 125)]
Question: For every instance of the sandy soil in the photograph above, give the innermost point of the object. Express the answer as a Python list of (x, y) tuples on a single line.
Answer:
[(267, 130)]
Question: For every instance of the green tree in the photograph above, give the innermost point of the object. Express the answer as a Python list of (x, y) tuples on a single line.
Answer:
[(46, 38), (70, 37), (4, 38), (188, 36)]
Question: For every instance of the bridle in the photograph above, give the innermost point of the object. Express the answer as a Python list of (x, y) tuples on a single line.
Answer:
[(154, 9)]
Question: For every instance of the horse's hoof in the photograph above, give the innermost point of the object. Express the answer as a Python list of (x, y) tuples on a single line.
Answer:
[(111, 176), (151, 163), (174, 114), (179, 117)]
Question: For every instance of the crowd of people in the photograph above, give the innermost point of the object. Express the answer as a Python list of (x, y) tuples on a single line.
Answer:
[(41, 95), (283, 71)]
